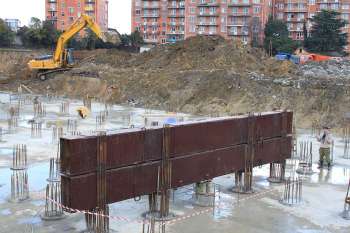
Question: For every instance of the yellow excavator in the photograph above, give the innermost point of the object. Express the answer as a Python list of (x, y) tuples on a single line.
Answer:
[(63, 59)]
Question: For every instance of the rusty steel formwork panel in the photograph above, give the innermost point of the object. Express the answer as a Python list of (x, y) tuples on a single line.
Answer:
[(198, 151)]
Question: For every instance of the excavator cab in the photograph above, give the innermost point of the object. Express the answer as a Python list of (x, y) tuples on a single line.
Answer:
[(68, 60)]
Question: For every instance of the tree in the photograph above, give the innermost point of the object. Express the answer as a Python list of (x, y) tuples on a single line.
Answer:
[(326, 33), (276, 37), (304, 32), (136, 39), (39, 34), (6, 35), (255, 31)]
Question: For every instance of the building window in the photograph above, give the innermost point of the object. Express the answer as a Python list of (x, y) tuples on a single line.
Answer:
[(345, 6), (256, 9), (256, 1), (334, 6), (279, 15), (245, 10), (323, 6), (192, 28), (312, 2), (138, 12), (192, 10), (71, 10)]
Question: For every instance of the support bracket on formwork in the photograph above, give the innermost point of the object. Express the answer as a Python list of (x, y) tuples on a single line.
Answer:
[(159, 202), (244, 179), (277, 172), (98, 222), (346, 211), (204, 193)]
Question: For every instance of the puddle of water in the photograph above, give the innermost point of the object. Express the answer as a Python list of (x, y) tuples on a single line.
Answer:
[(32, 220), (6, 151), (5, 212), (37, 175)]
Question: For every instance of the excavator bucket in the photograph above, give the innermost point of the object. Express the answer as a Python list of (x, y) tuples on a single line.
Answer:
[(83, 112)]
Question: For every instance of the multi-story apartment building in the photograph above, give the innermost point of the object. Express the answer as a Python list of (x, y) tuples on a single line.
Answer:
[(162, 21), (63, 13), (13, 24)]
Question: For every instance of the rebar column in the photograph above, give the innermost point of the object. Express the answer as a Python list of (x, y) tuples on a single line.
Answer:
[(12, 123), (277, 172), (87, 102), (19, 177), (72, 125), (1, 134), (292, 193), (346, 211), (57, 133), (39, 109), (64, 108), (101, 119), (305, 155), (99, 223), (53, 207), (346, 148), (36, 129)]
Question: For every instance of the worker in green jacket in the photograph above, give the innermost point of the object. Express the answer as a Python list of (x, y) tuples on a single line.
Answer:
[(326, 142)]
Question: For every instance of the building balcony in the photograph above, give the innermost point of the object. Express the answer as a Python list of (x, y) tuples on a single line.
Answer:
[(52, 1), (150, 16), (295, 29), (150, 40), (295, 9), (238, 14), (90, 1), (327, 2), (176, 6), (52, 18), (210, 33), (237, 33), (89, 9), (239, 4), (176, 16), (215, 14), (207, 24), (208, 4), (295, 20), (176, 24), (151, 6), (175, 32), (238, 24)]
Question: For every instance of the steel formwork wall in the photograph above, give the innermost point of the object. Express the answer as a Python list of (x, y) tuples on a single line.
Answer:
[(198, 151)]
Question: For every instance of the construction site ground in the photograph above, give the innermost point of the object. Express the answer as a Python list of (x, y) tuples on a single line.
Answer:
[(198, 78), (319, 212)]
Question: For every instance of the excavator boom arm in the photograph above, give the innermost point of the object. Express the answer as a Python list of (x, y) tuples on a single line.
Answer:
[(82, 22)]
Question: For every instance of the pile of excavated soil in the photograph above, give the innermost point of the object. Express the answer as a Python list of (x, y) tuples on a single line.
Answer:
[(203, 76), (14, 63)]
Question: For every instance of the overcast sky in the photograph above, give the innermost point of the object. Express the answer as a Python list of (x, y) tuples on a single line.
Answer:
[(119, 12)]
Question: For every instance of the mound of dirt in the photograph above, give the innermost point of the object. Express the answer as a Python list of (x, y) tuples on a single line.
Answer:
[(205, 76)]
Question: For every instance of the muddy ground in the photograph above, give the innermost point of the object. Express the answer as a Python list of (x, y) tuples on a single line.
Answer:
[(202, 76)]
